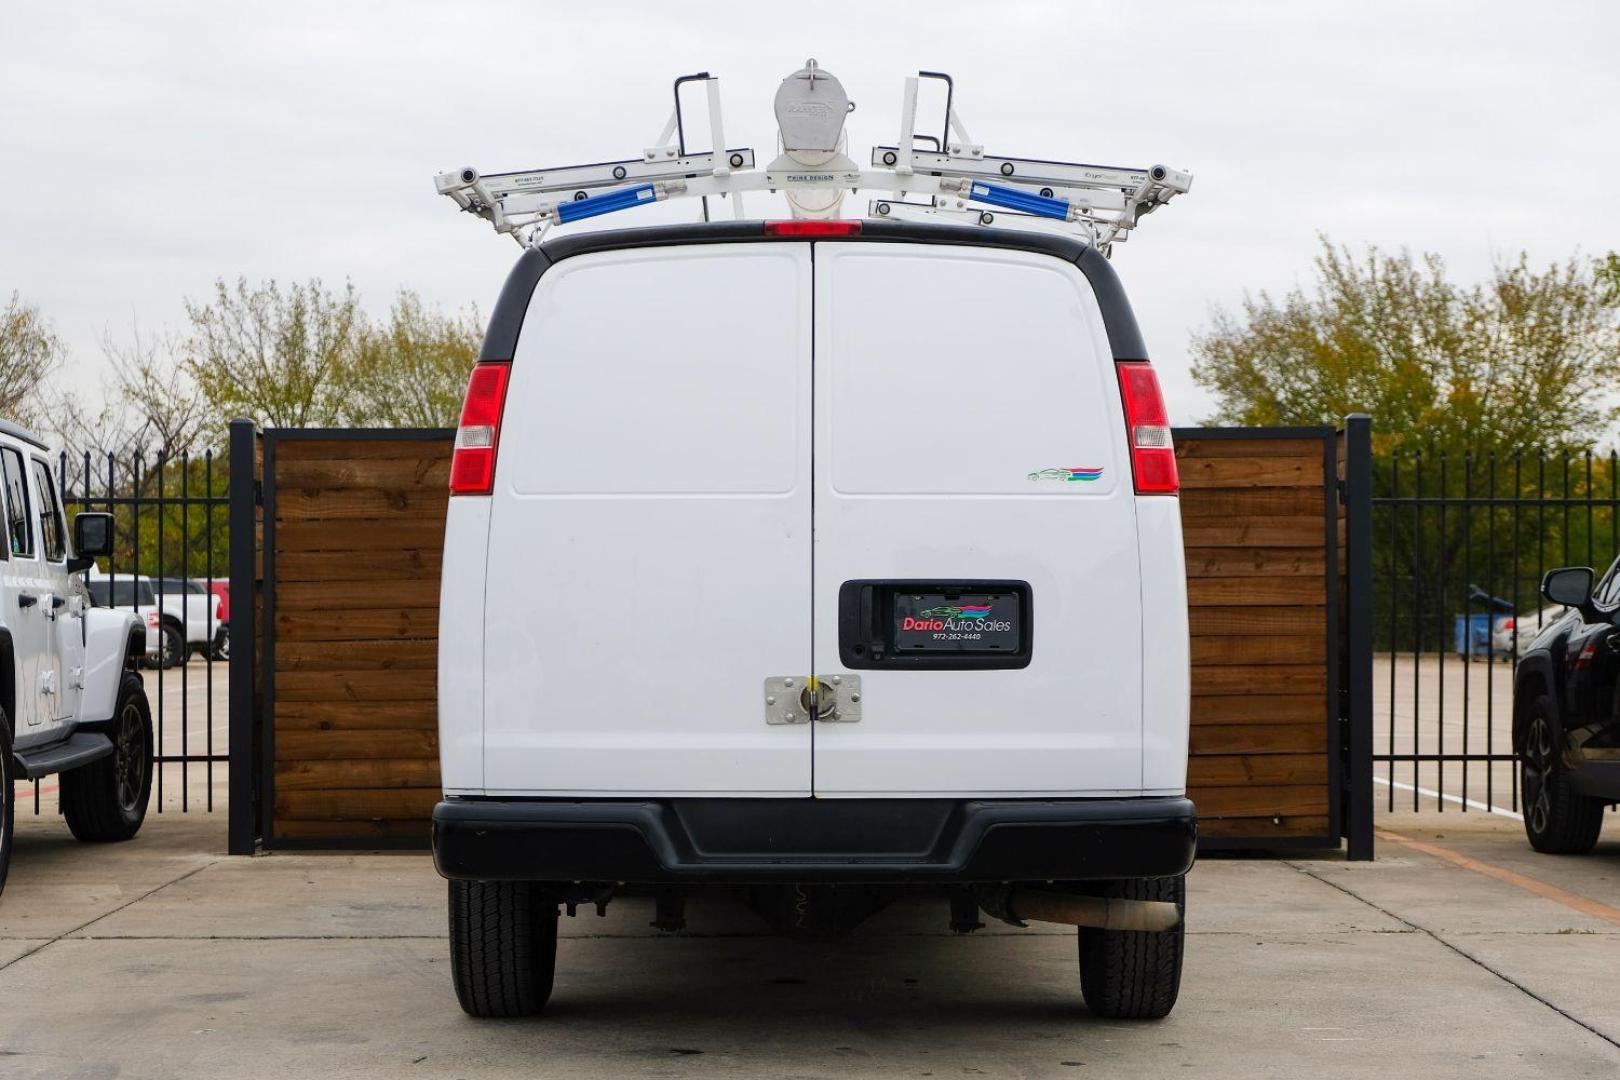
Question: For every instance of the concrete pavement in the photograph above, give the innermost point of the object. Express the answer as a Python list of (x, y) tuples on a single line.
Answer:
[(163, 958)]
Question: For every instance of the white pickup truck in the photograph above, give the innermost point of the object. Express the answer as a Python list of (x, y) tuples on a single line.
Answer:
[(178, 621)]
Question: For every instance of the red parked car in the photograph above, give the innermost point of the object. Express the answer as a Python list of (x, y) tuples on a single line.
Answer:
[(222, 635)]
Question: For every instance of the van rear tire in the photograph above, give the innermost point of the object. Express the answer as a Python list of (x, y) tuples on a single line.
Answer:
[(503, 947), (1134, 974)]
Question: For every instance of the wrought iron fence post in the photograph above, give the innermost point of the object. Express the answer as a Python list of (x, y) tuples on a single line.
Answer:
[(244, 496), (1358, 676)]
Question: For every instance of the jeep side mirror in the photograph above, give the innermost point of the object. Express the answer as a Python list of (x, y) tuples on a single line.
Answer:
[(92, 536), (1569, 585)]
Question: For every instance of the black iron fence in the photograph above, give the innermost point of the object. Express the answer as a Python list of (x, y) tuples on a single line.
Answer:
[(1461, 542), (171, 532)]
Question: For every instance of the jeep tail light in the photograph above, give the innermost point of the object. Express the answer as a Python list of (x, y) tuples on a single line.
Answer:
[(1147, 426), (472, 466)]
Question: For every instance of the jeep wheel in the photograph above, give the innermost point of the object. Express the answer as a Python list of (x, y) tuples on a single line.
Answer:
[(503, 947), (1556, 819), (1134, 974), (8, 796), (222, 643), (106, 799)]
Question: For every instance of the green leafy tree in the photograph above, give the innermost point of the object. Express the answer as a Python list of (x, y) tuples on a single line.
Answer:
[(282, 355), (411, 371), (1528, 358), (1492, 388)]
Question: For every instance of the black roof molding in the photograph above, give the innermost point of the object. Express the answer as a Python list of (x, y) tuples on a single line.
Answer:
[(500, 340), (1124, 336)]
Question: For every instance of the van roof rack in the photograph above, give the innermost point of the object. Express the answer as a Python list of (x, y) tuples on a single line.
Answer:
[(950, 175)]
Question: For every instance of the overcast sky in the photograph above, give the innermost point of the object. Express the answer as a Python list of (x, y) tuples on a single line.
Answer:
[(146, 149)]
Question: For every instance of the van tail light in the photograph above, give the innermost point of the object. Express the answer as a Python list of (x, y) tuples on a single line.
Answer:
[(472, 466), (1147, 426)]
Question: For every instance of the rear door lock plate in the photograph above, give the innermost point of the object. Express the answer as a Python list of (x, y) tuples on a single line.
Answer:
[(829, 699)]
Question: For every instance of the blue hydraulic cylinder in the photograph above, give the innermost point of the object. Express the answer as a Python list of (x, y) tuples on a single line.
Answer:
[(606, 203), (1014, 199)]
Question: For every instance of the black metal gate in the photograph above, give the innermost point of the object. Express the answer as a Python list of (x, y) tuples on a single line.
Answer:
[(170, 518), (1461, 543)]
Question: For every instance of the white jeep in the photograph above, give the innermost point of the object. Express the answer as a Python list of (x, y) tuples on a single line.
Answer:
[(71, 699)]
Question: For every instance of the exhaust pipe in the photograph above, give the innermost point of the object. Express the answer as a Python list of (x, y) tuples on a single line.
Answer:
[(1020, 906)]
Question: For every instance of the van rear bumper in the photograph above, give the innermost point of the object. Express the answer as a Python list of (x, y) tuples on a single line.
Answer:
[(657, 841)]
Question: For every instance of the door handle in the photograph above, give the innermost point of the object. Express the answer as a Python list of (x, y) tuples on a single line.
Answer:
[(26, 600), (57, 602)]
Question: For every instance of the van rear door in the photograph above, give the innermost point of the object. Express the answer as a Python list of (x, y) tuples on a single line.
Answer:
[(649, 542), (971, 478)]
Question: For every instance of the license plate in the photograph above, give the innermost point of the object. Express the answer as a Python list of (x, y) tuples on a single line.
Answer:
[(978, 622)]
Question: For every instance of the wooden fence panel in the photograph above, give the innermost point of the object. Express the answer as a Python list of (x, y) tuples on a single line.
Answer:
[(1258, 562), (355, 542)]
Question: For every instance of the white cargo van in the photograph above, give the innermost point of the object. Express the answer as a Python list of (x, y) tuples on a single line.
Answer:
[(821, 559)]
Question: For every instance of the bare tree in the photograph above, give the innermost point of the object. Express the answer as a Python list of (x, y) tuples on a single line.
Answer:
[(152, 406), (162, 404), (29, 353)]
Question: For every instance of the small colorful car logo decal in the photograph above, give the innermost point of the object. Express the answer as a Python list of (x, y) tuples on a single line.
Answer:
[(955, 611), (1084, 474)]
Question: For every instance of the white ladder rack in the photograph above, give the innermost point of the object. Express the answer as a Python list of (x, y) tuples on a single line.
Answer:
[(1098, 203)]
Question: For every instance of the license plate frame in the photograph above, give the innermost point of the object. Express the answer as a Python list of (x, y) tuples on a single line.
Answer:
[(935, 624)]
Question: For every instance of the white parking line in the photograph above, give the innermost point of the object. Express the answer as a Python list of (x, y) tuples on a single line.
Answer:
[(1472, 804)]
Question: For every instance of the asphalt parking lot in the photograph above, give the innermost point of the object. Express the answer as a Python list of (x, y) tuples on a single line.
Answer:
[(1464, 956), (1440, 703)]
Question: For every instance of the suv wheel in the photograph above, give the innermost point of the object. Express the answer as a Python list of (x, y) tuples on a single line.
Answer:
[(1134, 974), (503, 947), (106, 799), (8, 795), (1557, 820)]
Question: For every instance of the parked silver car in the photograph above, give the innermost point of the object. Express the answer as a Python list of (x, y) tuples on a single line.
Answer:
[(1527, 627)]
